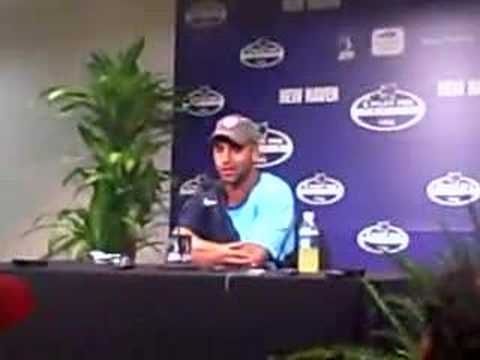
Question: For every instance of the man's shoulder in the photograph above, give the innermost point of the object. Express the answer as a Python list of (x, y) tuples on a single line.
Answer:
[(273, 184), (269, 179)]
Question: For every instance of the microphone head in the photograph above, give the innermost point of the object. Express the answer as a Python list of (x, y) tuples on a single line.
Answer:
[(208, 183), (16, 300)]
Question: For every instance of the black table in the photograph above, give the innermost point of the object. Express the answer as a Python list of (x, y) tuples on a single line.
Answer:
[(92, 312)]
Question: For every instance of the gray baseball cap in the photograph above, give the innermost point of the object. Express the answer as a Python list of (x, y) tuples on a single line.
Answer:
[(237, 128)]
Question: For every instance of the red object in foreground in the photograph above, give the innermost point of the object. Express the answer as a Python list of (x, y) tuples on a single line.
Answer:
[(16, 300)]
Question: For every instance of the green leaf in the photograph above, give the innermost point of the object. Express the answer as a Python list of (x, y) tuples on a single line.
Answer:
[(133, 53), (78, 171)]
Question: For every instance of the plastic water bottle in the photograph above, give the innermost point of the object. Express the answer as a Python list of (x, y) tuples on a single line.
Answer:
[(309, 244)]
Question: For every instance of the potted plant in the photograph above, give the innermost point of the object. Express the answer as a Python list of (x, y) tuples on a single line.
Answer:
[(446, 292), (124, 116)]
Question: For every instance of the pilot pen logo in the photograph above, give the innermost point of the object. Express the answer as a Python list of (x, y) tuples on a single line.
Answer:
[(387, 109), (346, 50), (204, 102), (275, 147), (206, 14), (262, 53), (191, 186), (320, 190), (383, 238), (388, 41), (453, 189)]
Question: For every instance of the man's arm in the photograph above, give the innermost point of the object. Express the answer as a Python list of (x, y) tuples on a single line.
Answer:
[(273, 229), (209, 253)]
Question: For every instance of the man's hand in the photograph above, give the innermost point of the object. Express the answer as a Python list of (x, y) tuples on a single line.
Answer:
[(209, 253), (255, 255), (206, 253)]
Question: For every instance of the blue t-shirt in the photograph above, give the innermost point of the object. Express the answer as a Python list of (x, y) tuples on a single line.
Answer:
[(266, 216)]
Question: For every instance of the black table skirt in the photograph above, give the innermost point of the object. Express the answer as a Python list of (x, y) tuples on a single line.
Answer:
[(92, 312)]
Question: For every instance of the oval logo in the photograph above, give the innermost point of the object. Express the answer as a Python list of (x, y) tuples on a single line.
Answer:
[(275, 147), (453, 189), (191, 186), (320, 190), (262, 53), (383, 238), (206, 14), (387, 109), (204, 102)]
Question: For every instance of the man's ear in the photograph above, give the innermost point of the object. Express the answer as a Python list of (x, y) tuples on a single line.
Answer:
[(255, 153)]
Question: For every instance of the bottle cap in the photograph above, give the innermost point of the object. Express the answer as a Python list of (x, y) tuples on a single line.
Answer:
[(309, 216)]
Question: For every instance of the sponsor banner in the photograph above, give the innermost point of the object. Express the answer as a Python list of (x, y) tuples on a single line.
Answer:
[(320, 189), (323, 4), (206, 14), (309, 95), (448, 40), (453, 189), (204, 101), (387, 109), (383, 238), (473, 87), (293, 5), (458, 87), (388, 41), (451, 88), (275, 148), (290, 96), (262, 53), (322, 94)]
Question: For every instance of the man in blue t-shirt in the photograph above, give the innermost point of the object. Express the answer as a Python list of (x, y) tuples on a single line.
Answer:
[(247, 218)]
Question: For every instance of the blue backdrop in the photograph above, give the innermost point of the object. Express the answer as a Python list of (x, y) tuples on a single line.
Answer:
[(371, 110)]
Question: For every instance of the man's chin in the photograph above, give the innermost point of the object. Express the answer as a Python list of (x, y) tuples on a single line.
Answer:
[(229, 180)]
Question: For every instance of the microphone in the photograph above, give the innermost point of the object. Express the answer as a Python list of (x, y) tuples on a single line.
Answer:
[(207, 184), (16, 300)]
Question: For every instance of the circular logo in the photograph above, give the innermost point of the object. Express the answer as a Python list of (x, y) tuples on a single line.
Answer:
[(387, 109), (275, 147), (453, 189), (262, 53), (206, 14), (320, 190), (383, 238), (204, 102)]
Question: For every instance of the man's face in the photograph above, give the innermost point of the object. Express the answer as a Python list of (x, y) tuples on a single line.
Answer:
[(233, 162)]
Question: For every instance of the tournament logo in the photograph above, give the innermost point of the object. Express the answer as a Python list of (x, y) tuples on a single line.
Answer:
[(388, 41), (453, 189), (383, 238), (204, 102), (275, 147), (388, 109), (346, 50), (320, 190), (191, 186), (206, 14), (262, 53)]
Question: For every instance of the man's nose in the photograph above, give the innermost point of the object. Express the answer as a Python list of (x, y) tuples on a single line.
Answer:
[(225, 156)]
